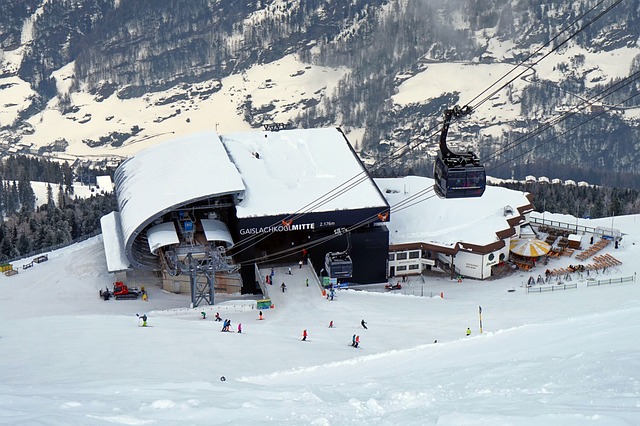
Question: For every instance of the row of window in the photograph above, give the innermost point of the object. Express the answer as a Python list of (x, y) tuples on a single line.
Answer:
[(416, 255), (403, 255), (404, 267)]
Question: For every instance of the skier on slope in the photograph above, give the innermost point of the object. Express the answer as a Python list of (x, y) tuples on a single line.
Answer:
[(239, 327), (363, 323), (357, 342), (218, 316), (143, 318), (204, 315), (304, 335), (283, 286)]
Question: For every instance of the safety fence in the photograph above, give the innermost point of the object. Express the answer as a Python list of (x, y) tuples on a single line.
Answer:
[(555, 287), (240, 306), (593, 283), (574, 285)]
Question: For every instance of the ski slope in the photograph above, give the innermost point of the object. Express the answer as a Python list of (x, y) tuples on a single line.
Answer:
[(558, 358)]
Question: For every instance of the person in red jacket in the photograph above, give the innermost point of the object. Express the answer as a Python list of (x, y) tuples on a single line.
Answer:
[(304, 335), (357, 341)]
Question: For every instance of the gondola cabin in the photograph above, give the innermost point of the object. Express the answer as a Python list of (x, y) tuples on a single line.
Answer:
[(456, 174), (338, 265), (456, 180)]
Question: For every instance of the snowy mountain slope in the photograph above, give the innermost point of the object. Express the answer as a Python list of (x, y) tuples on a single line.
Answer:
[(559, 358), (109, 78)]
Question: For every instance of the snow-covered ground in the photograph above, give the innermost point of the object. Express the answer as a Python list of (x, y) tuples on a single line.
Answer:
[(558, 358)]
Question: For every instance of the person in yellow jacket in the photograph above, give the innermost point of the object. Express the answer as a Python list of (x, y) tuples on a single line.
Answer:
[(468, 331)]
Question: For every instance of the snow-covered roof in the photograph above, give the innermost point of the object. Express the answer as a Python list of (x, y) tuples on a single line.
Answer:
[(172, 174), (162, 235), (104, 183), (113, 243), (216, 230), (446, 222), (311, 170)]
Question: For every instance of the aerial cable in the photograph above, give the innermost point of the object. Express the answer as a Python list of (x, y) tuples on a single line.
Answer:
[(396, 155), (575, 110), (419, 197), (490, 95), (334, 193), (592, 117)]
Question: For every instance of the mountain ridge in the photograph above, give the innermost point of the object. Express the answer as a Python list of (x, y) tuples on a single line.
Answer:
[(65, 64)]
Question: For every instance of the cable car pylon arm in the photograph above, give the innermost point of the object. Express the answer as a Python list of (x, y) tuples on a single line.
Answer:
[(450, 113), (457, 174)]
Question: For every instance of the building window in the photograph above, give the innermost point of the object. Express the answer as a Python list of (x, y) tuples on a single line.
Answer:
[(401, 256), (502, 256), (492, 256), (413, 267), (401, 268), (392, 257), (414, 255)]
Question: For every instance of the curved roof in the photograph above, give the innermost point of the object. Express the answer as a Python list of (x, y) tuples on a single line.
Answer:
[(169, 175)]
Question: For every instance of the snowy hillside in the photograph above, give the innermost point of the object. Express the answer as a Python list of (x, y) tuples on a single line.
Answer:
[(106, 81), (567, 357)]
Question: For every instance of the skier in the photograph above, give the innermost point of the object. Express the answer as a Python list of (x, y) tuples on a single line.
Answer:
[(260, 316), (218, 316), (283, 286), (289, 271), (300, 265), (143, 318), (353, 340), (331, 324), (364, 324), (228, 325), (357, 341), (307, 282), (304, 335), (204, 315), (468, 331), (225, 325), (239, 327)]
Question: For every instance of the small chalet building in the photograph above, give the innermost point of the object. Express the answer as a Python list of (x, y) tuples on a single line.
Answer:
[(467, 237)]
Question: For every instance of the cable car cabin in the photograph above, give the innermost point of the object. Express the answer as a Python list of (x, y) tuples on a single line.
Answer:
[(338, 265), (457, 174), (456, 179)]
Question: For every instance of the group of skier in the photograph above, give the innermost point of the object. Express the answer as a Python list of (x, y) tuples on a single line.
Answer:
[(355, 340), (226, 326)]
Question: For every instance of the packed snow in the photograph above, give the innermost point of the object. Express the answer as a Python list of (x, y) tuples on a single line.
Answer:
[(567, 357)]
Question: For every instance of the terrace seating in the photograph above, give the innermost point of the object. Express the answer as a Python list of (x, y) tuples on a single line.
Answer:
[(593, 249)]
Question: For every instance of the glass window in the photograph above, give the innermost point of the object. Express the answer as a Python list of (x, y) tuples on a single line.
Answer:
[(401, 256), (414, 255), (401, 268), (491, 256), (414, 266), (392, 256)]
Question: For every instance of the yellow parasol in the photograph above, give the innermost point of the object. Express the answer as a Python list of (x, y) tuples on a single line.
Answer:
[(529, 247)]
